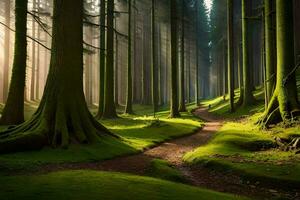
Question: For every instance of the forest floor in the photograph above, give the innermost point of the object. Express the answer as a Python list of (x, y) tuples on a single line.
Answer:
[(227, 154)]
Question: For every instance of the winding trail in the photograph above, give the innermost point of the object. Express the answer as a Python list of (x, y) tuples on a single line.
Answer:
[(173, 151)]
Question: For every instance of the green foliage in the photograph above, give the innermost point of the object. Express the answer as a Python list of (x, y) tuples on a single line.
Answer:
[(100, 185)]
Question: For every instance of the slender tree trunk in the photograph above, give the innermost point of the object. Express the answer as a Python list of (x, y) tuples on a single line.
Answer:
[(270, 45), (230, 54), (7, 50), (117, 58), (13, 112), (63, 115), (174, 112), (109, 104), (102, 58), (153, 61), (284, 104), (128, 108), (248, 96), (33, 57), (182, 107), (197, 56)]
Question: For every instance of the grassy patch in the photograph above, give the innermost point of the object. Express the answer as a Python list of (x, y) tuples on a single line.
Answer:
[(164, 170), (243, 148), (138, 132), (220, 107), (100, 185)]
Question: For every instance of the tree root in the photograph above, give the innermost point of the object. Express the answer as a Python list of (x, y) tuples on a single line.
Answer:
[(56, 128), (290, 145)]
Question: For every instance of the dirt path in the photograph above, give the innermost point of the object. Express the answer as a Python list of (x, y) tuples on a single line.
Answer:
[(173, 151)]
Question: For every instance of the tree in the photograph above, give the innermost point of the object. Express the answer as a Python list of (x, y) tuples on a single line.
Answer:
[(270, 44), (230, 54), (33, 58), (154, 78), (182, 107), (7, 50), (284, 103), (174, 112), (62, 116), (13, 112), (197, 55), (248, 98), (128, 108), (102, 58), (109, 110)]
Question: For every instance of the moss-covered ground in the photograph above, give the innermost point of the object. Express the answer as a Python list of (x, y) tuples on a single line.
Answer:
[(100, 185), (137, 131), (244, 148)]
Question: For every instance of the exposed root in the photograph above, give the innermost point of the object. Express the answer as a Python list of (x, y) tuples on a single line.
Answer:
[(289, 145), (58, 128)]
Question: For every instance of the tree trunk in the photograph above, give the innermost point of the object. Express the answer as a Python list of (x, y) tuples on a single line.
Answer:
[(102, 58), (13, 112), (63, 115), (248, 96), (270, 46), (174, 62), (182, 107), (153, 61), (33, 57), (230, 54), (197, 56), (128, 108), (284, 104), (109, 103), (7, 51)]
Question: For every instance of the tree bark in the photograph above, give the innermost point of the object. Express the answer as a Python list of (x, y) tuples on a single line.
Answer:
[(230, 54), (7, 51), (102, 58), (182, 107), (63, 115), (174, 112), (109, 103), (270, 45), (284, 103), (128, 108), (13, 112), (248, 96)]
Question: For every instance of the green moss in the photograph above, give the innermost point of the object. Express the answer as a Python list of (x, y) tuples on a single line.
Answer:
[(137, 131), (164, 170), (245, 149), (100, 185), (221, 108)]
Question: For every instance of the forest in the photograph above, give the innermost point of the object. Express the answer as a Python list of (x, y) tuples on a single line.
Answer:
[(150, 99)]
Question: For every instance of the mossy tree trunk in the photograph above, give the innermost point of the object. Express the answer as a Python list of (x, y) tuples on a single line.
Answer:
[(63, 115), (182, 107), (128, 108), (230, 53), (248, 98), (13, 112), (284, 103), (102, 58), (109, 110), (270, 46), (174, 112)]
